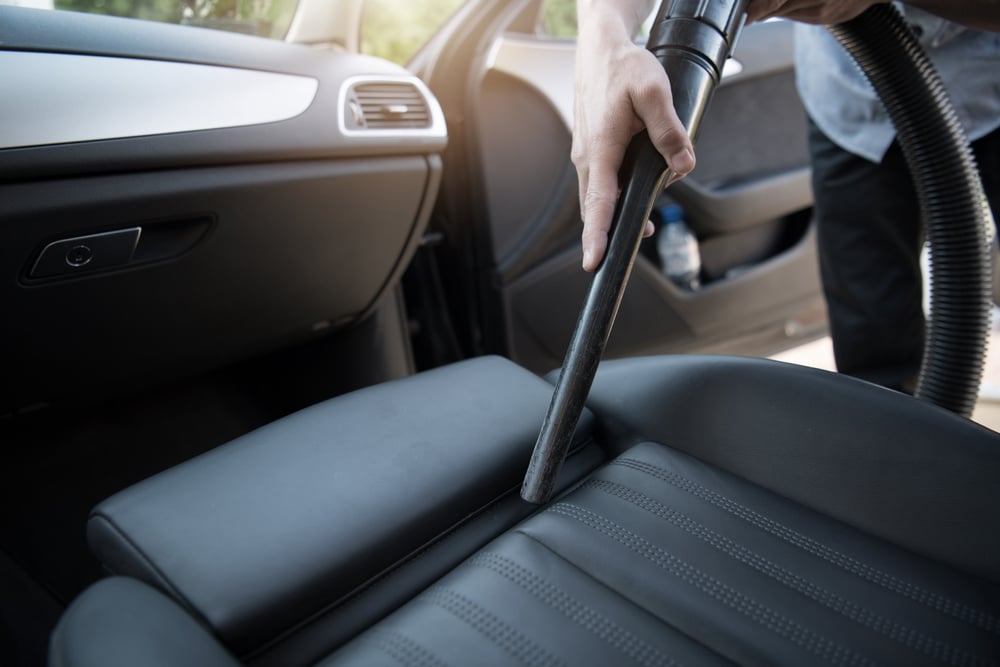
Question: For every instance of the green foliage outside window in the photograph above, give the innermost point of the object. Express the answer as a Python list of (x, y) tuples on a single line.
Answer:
[(269, 18), (559, 18), (391, 29), (396, 29)]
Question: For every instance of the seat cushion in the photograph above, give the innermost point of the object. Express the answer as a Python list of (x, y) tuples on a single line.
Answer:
[(121, 622), (659, 558)]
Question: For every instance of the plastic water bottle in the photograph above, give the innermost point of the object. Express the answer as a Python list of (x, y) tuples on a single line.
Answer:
[(678, 249)]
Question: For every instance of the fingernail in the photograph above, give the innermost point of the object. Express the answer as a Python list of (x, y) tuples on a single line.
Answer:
[(587, 256), (682, 161)]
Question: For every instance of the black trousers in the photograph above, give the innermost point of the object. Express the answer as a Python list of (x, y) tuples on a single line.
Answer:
[(870, 236)]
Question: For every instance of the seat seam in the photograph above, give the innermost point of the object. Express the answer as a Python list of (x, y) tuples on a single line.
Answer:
[(757, 612), (939, 603), (620, 595), (379, 578), (161, 579), (416, 554), (511, 640), (580, 613), (908, 637)]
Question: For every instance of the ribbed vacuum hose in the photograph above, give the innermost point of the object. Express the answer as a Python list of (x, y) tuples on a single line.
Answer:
[(957, 219), (692, 39)]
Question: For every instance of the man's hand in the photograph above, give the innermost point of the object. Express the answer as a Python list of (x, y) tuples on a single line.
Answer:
[(620, 89)]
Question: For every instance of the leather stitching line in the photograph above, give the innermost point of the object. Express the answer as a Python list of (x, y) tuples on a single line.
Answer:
[(578, 612), (380, 578), (638, 604), (496, 630), (940, 603), (909, 637), (759, 613), (402, 648)]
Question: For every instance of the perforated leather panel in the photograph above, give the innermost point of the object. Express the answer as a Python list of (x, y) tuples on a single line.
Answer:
[(660, 559)]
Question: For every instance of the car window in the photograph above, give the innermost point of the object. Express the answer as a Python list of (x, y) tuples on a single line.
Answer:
[(266, 18), (396, 29), (557, 19)]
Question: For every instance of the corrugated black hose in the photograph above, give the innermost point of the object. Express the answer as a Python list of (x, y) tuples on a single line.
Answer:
[(692, 39), (957, 218)]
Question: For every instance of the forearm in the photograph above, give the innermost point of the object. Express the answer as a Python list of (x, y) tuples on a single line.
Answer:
[(978, 14), (620, 88)]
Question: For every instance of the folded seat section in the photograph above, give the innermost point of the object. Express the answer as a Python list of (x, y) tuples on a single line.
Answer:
[(290, 540)]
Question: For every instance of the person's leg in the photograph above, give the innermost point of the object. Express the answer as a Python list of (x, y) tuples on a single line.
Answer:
[(869, 236), (987, 151)]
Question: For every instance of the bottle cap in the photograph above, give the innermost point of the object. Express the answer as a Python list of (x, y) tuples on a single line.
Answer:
[(672, 213)]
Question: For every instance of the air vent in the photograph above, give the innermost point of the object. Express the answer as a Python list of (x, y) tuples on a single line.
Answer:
[(387, 105)]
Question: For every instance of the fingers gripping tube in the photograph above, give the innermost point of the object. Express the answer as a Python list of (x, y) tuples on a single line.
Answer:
[(692, 40)]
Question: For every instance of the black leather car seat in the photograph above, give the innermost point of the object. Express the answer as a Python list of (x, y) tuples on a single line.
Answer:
[(749, 513)]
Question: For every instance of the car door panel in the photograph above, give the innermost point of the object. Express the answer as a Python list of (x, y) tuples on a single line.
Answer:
[(748, 201), (529, 183), (260, 228), (734, 208)]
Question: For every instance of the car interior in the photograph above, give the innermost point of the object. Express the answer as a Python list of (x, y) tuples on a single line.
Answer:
[(283, 320)]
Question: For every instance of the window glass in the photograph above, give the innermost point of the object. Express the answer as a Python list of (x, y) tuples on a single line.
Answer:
[(267, 18), (396, 29), (558, 18)]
